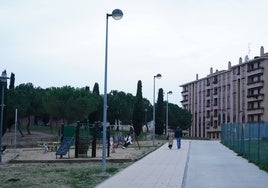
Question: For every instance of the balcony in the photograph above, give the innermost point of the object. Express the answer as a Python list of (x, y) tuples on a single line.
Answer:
[(255, 71), (184, 91), (255, 84), (184, 101), (252, 111), (254, 97)]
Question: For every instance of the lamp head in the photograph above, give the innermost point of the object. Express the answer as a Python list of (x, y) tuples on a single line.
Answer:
[(158, 76), (4, 76), (117, 14), (170, 92)]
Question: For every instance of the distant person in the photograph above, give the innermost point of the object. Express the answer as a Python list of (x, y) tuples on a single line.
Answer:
[(170, 138), (178, 135), (128, 141), (45, 147), (112, 144)]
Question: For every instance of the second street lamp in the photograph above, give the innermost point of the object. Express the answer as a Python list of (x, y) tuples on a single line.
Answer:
[(156, 76), (170, 92), (117, 14)]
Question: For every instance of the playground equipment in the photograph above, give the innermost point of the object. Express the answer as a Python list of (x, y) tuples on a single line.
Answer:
[(67, 140), (80, 135)]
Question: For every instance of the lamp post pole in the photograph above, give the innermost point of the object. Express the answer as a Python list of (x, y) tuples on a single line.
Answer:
[(170, 92), (117, 14), (156, 76), (3, 85)]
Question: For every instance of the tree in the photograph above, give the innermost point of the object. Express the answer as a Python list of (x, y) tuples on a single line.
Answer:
[(120, 107), (138, 110), (69, 104), (185, 119), (160, 113), (80, 104), (27, 102), (55, 100), (96, 89), (96, 115), (12, 81), (148, 111), (179, 117)]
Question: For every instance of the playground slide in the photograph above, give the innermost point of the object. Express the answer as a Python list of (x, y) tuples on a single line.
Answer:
[(65, 146)]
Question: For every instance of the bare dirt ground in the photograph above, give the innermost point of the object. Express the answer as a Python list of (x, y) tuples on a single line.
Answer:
[(28, 165), (27, 150)]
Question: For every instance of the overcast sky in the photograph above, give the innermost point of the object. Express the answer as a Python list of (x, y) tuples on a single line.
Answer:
[(62, 42)]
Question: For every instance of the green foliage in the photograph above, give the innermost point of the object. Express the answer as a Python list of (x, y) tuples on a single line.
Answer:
[(78, 104), (96, 114), (69, 103), (12, 81), (179, 117), (120, 107), (96, 89), (160, 113), (138, 110)]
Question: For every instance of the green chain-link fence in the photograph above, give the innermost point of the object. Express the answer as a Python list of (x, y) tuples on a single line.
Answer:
[(249, 140)]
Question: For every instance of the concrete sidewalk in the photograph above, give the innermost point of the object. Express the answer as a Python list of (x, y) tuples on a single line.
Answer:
[(211, 164), (161, 168), (206, 164)]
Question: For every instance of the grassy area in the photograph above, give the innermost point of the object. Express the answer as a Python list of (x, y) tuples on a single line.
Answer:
[(77, 175)]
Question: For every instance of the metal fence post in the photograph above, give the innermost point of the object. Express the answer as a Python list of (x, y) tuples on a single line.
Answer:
[(258, 158)]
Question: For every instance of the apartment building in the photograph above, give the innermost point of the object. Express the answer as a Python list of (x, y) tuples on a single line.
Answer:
[(239, 94)]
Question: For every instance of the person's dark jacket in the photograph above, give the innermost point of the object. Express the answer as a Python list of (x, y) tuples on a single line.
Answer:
[(178, 133)]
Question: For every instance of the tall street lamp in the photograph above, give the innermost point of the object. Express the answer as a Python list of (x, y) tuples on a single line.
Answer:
[(156, 76), (117, 14), (168, 93), (3, 79)]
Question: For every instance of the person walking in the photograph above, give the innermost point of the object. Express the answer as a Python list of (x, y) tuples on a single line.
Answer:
[(170, 139), (178, 135)]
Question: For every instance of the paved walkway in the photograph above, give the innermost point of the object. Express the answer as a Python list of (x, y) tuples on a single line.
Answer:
[(212, 165), (161, 168), (200, 164)]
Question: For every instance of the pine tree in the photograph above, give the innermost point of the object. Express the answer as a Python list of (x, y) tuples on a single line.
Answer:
[(138, 110), (12, 81), (160, 113), (96, 89), (96, 115)]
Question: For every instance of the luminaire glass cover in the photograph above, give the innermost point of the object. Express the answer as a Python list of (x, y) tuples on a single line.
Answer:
[(158, 76), (4, 76), (117, 14)]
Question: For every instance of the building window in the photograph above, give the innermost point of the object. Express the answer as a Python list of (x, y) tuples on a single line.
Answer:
[(215, 102), (208, 103), (215, 113), (215, 92), (208, 92), (208, 113), (215, 80)]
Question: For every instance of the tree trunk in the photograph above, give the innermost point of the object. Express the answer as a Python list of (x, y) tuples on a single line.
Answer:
[(28, 125), (21, 133)]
